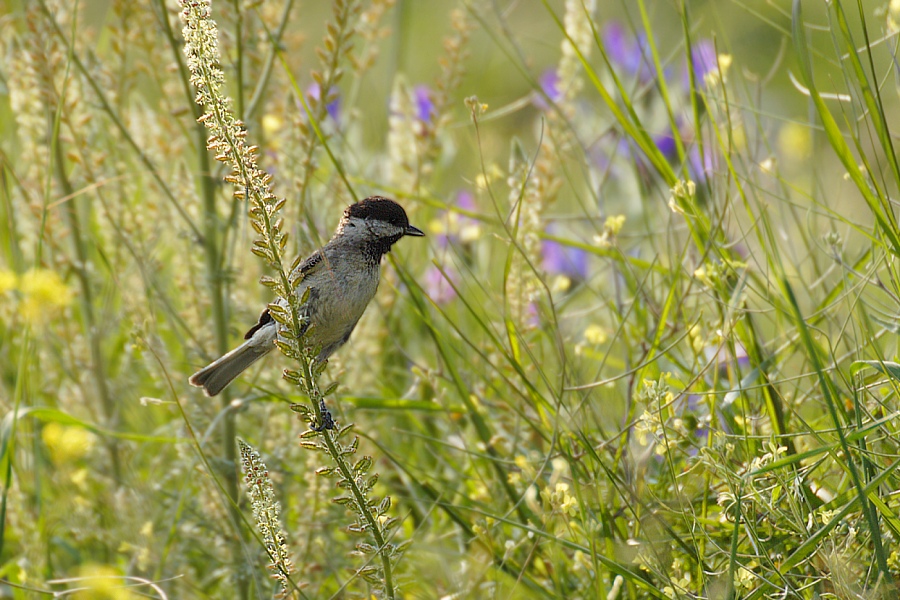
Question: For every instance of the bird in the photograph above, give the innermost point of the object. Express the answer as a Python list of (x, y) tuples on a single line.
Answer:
[(341, 278)]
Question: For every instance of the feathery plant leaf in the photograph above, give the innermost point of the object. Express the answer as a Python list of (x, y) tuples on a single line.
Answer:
[(266, 511), (227, 141)]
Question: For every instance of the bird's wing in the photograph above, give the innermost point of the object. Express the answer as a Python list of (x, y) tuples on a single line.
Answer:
[(264, 319), (310, 265)]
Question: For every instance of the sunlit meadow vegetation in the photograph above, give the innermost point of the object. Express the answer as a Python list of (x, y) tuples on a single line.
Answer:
[(647, 349)]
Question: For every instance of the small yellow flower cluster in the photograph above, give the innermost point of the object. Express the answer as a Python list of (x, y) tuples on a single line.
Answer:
[(65, 443), (272, 126), (715, 75), (695, 335), (594, 335), (455, 225), (826, 516), (681, 579), (8, 281), (682, 195), (523, 472), (775, 452), (476, 107), (709, 274), (893, 16), (140, 553), (745, 579), (614, 224), (102, 582), (560, 500), (650, 428), (611, 228), (492, 173), (716, 271), (655, 392), (894, 560), (795, 142), (42, 293)]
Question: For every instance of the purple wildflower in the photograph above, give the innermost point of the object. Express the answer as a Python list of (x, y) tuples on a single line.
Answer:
[(442, 239), (704, 61), (549, 82), (564, 260), (666, 144), (628, 52), (620, 47), (439, 285), (333, 107), (423, 97)]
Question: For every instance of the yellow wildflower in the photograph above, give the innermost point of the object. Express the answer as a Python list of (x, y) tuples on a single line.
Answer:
[(66, 443), (795, 141), (271, 124), (595, 334), (611, 227), (893, 16), (8, 281), (43, 292), (102, 582), (560, 283), (614, 224), (560, 500)]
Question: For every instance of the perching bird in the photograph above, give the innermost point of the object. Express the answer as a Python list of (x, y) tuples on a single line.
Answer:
[(342, 278)]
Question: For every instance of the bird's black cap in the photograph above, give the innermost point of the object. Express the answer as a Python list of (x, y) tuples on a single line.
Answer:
[(382, 209)]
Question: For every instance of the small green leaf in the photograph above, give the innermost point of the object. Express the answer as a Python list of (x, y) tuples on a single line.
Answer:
[(366, 548), (371, 574), (363, 465), (891, 369)]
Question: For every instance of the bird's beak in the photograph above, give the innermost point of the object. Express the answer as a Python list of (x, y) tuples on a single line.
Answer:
[(414, 231)]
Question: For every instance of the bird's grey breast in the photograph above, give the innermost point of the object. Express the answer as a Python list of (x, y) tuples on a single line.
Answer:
[(340, 289)]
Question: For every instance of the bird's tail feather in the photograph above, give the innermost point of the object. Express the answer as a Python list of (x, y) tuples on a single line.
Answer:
[(214, 377)]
